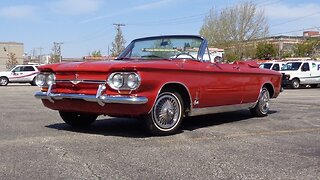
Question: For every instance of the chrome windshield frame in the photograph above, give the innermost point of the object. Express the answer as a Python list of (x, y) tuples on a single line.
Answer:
[(202, 48)]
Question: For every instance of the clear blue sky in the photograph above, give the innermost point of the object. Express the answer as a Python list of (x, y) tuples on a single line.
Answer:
[(87, 25)]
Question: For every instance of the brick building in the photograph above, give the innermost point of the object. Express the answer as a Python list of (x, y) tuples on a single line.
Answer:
[(10, 47)]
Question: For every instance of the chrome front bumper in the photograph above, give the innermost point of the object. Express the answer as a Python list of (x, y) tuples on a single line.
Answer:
[(99, 98)]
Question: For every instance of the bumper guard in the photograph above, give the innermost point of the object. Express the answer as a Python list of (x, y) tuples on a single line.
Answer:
[(99, 98)]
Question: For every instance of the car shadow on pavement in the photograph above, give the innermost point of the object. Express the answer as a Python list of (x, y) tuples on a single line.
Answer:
[(198, 122), (124, 127), (129, 127)]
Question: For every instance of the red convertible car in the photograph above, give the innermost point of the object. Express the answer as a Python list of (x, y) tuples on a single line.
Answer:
[(158, 79)]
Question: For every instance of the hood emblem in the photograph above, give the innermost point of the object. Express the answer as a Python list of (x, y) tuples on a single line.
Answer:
[(76, 81)]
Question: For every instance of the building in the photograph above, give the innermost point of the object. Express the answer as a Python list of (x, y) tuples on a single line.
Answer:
[(311, 34), (10, 47), (285, 44)]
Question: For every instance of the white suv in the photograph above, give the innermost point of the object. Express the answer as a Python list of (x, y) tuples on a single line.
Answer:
[(19, 74)]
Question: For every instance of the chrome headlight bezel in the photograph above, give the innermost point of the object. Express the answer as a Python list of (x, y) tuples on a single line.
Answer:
[(51, 79), (45, 79), (116, 80), (131, 81), (40, 80)]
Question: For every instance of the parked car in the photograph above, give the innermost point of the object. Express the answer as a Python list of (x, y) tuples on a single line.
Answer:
[(303, 72), (273, 65), (159, 80), (19, 74)]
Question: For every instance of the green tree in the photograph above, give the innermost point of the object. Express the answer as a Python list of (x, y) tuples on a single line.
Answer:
[(96, 53), (12, 60), (118, 44), (265, 51), (231, 28), (309, 48), (54, 58)]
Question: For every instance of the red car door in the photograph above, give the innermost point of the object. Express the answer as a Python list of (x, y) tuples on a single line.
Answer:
[(221, 84)]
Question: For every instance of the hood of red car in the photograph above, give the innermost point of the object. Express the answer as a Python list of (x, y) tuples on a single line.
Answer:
[(106, 66)]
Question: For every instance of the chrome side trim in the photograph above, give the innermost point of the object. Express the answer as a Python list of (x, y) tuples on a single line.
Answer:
[(220, 109), (93, 98)]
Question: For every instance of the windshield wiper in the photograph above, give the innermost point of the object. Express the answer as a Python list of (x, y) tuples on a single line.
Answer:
[(123, 58)]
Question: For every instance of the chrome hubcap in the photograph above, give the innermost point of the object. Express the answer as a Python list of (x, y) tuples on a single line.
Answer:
[(167, 112), (264, 101)]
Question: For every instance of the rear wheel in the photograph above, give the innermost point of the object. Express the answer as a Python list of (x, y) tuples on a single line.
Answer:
[(166, 115), (4, 81), (78, 119), (262, 107)]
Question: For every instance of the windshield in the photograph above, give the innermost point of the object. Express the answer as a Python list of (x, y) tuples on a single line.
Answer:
[(291, 66), (12, 68), (266, 65), (163, 48)]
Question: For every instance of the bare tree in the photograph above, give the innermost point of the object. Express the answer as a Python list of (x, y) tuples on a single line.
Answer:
[(119, 42), (55, 56), (232, 27), (12, 60)]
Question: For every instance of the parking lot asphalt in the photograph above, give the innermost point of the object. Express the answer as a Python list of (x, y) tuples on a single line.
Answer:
[(36, 144)]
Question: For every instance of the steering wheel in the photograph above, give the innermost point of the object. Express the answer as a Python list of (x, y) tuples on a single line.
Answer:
[(184, 53)]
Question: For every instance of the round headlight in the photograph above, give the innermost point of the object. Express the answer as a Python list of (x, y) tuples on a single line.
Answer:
[(133, 81), (40, 80), (117, 81), (50, 79)]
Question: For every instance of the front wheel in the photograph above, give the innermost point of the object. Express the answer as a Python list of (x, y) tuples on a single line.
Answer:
[(77, 119), (166, 115), (262, 107), (33, 82), (295, 83)]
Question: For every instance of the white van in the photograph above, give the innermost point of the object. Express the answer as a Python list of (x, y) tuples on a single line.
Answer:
[(297, 73), (273, 65)]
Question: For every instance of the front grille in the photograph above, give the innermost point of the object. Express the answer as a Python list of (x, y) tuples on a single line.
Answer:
[(79, 82)]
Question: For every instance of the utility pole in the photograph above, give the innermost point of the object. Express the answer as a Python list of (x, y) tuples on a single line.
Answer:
[(118, 26), (57, 49), (119, 42), (33, 53), (40, 54)]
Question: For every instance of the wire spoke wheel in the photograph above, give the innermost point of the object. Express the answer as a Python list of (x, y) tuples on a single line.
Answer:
[(166, 114), (264, 101), (262, 107)]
